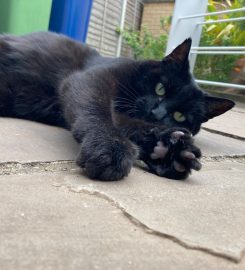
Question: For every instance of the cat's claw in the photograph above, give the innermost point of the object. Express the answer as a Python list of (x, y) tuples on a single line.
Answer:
[(175, 136)]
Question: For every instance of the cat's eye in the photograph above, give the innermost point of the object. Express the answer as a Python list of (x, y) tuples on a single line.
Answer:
[(160, 89), (179, 117)]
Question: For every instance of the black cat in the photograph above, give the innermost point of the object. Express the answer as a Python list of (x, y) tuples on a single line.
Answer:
[(118, 109)]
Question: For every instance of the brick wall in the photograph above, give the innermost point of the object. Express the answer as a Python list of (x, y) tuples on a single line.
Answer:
[(152, 14)]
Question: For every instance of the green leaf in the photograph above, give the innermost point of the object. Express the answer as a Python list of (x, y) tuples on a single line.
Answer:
[(229, 3), (226, 30), (211, 27)]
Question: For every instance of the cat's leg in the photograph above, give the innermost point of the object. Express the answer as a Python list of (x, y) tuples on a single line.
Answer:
[(104, 152), (105, 156), (168, 152)]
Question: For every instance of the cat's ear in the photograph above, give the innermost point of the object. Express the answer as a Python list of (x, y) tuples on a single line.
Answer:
[(180, 54), (215, 106)]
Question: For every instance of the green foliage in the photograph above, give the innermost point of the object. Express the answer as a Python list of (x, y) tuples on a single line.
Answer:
[(218, 67), (225, 34), (144, 44)]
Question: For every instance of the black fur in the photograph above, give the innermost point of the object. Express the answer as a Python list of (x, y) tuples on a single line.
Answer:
[(109, 104)]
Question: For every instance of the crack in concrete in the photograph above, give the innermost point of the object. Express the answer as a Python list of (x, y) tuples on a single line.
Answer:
[(10, 168), (146, 228), (224, 134)]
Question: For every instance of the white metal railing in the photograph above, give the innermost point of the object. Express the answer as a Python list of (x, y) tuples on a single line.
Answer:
[(217, 52), (212, 13), (232, 85), (187, 21), (233, 48), (223, 20), (122, 23)]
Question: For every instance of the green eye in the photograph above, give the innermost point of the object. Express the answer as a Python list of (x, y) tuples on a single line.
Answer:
[(179, 117), (160, 90)]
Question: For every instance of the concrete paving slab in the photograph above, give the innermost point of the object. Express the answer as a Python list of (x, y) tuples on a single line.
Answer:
[(232, 122), (217, 145), (26, 141), (48, 227), (66, 221), (204, 212)]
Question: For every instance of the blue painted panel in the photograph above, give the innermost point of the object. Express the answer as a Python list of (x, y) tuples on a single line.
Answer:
[(71, 17)]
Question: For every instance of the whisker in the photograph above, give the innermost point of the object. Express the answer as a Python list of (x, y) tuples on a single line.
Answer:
[(124, 106), (125, 100), (128, 90)]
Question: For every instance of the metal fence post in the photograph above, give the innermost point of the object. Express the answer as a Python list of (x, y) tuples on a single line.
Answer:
[(122, 23), (71, 17), (182, 28)]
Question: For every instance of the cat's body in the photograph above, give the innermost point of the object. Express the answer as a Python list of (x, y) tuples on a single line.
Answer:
[(118, 109), (30, 75)]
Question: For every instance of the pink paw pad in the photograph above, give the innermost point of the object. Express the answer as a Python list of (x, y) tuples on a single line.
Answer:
[(187, 155), (159, 151), (178, 167)]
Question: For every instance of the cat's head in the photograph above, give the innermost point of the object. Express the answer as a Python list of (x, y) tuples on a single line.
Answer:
[(165, 92)]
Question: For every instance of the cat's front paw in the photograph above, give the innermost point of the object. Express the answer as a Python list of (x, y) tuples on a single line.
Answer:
[(106, 158), (174, 155)]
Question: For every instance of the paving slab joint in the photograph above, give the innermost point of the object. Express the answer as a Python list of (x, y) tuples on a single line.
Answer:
[(224, 134), (234, 158), (10, 168)]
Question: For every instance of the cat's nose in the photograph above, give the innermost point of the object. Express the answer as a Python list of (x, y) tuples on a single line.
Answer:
[(159, 112)]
